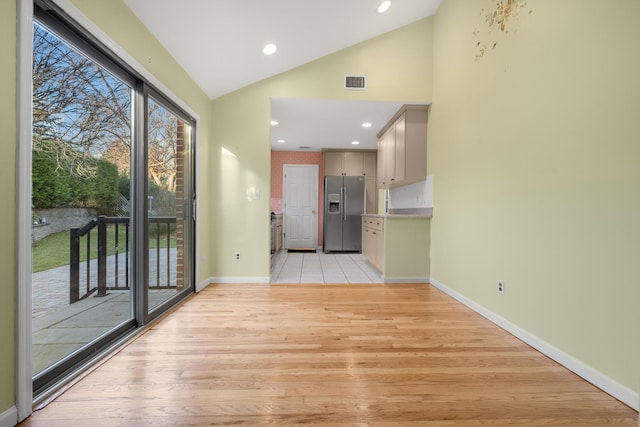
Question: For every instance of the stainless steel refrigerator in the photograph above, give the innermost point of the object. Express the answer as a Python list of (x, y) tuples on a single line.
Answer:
[(343, 209)]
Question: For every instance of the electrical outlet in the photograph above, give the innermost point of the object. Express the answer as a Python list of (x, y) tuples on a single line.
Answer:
[(500, 287), (237, 256)]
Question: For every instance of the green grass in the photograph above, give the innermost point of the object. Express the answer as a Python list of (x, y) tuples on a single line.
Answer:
[(53, 250)]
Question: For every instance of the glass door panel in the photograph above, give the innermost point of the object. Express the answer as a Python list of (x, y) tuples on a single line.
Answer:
[(81, 182), (169, 197)]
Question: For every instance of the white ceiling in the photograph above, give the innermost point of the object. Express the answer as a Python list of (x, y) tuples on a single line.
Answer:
[(327, 123), (219, 43)]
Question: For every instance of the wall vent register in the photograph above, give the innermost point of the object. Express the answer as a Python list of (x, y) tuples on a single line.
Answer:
[(352, 82)]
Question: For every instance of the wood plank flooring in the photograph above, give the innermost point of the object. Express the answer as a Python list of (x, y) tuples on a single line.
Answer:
[(329, 355)]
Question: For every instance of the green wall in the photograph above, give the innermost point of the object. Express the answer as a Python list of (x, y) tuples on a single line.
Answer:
[(398, 66), (535, 151), (8, 190)]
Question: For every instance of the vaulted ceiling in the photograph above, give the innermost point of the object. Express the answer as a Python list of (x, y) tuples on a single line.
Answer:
[(219, 42)]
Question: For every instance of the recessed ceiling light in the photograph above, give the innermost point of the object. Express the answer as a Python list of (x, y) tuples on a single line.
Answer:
[(269, 49), (355, 142), (274, 123), (384, 6), (281, 141), (366, 125)]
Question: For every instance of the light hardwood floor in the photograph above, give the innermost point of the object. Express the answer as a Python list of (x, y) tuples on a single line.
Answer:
[(329, 355)]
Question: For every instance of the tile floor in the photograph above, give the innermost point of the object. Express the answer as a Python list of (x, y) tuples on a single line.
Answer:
[(319, 267)]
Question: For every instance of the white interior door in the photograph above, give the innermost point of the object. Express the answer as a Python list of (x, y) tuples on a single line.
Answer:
[(300, 211)]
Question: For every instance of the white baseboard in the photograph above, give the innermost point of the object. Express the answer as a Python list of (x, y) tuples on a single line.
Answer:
[(206, 282), (230, 279), (239, 279), (595, 377), (406, 280), (9, 418)]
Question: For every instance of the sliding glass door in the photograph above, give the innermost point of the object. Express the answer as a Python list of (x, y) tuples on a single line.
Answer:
[(80, 247), (169, 196), (112, 191)]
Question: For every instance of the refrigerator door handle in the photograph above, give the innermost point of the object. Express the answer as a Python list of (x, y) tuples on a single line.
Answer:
[(344, 207), (342, 202)]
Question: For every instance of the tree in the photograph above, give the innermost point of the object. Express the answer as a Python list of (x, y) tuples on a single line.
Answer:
[(162, 151), (163, 136), (81, 112), (104, 188), (78, 107), (82, 132), (58, 187), (48, 188)]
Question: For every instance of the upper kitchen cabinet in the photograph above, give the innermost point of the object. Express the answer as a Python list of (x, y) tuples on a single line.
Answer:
[(370, 165), (402, 148), (355, 163), (350, 163)]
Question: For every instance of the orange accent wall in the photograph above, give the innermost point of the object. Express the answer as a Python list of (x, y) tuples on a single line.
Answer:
[(280, 158)]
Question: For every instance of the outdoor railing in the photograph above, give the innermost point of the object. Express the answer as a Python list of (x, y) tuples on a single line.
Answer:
[(98, 277)]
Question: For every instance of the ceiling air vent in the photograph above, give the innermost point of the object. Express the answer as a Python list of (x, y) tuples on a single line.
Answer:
[(304, 147), (352, 82)]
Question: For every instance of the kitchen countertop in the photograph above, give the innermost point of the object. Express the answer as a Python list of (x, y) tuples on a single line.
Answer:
[(405, 213)]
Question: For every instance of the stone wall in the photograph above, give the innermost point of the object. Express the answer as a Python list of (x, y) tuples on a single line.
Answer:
[(59, 219)]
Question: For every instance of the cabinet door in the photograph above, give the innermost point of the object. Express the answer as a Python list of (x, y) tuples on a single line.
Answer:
[(333, 163), (366, 243), (380, 163), (386, 158), (370, 164), (399, 150), (371, 195), (390, 151), (377, 249), (415, 145), (353, 164)]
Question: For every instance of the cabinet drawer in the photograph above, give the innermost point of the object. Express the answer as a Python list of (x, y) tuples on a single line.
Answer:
[(373, 222), (377, 224)]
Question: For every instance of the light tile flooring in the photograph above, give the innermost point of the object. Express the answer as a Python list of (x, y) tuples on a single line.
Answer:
[(319, 267)]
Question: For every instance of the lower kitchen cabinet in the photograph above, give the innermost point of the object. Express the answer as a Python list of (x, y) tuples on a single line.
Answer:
[(398, 246), (373, 241)]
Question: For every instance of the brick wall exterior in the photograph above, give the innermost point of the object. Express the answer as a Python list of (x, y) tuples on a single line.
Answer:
[(180, 205)]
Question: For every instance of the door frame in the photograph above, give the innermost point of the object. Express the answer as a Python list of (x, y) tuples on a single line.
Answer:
[(316, 168), (24, 384)]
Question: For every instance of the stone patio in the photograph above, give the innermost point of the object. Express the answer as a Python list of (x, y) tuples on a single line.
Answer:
[(60, 328)]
